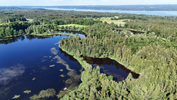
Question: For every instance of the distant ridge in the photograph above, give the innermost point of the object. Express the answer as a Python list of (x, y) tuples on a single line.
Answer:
[(162, 7)]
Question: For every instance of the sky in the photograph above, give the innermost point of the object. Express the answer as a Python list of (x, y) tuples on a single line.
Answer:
[(82, 2)]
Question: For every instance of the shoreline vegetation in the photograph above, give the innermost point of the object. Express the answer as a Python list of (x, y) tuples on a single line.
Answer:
[(93, 80), (147, 59), (68, 34), (84, 63), (152, 54)]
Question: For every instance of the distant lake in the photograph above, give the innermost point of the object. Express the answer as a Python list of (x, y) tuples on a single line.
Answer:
[(158, 13)]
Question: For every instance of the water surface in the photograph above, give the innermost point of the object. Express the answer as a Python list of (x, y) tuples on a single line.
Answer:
[(158, 13), (107, 66), (36, 63)]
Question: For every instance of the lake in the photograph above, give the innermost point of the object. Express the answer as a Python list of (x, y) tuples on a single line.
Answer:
[(158, 13), (33, 66)]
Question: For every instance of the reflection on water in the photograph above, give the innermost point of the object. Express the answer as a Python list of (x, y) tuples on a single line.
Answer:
[(74, 80), (11, 40), (42, 69), (40, 66), (108, 66), (67, 55), (111, 67), (6, 74), (31, 37)]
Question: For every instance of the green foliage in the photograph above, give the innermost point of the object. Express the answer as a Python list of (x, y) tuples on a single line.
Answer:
[(84, 52), (110, 77), (94, 86), (111, 89), (152, 54), (142, 53), (44, 94), (13, 29)]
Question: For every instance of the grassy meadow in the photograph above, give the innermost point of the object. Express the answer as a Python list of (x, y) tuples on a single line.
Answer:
[(76, 25), (117, 22)]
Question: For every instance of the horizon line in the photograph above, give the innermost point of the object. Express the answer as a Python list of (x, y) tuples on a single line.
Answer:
[(90, 5)]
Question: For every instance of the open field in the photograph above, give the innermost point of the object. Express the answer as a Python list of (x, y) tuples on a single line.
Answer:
[(4, 23), (118, 22), (30, 20), (68, 34), (76, 25)]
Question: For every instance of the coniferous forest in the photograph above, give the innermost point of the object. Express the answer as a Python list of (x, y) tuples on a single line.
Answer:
[(152, 54)]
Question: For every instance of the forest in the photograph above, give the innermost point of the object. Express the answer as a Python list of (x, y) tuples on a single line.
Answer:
[(39, 21), (152, 54)]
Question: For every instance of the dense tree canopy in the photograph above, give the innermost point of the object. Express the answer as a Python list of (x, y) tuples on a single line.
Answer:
[(152, 54)]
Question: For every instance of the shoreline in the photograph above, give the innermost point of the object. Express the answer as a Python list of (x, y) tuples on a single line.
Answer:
[(68, 34), (93, 75), (79, 59), (11, 37)]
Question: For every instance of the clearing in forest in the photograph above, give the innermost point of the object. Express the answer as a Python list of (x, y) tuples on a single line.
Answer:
[(76, 25), (118, 22)]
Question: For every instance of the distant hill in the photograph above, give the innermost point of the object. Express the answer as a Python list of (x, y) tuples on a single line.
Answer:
[(118, 7), (128, 7), (98, 7)]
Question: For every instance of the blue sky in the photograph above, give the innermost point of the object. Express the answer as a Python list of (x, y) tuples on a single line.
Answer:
[(82, 2)]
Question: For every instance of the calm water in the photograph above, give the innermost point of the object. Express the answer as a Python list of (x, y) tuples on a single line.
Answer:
[(158, 13), (37, 63), (111, 67)]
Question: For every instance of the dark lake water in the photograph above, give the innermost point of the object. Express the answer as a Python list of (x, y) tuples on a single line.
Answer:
[(111, 67), (36, 63), (158, 13)]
